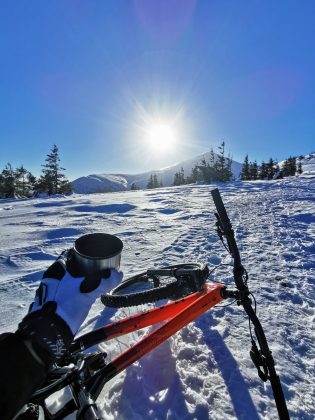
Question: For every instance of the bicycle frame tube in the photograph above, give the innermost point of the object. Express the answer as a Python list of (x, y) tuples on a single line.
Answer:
[(136, 322), (176, 314)]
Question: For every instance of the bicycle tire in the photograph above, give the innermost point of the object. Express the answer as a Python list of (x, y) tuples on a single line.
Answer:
[(166, 291), (139, 298)]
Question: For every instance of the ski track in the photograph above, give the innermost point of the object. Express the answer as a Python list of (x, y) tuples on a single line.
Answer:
[(204, 371)]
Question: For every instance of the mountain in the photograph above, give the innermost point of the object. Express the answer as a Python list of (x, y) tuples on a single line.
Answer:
[(97, 183)]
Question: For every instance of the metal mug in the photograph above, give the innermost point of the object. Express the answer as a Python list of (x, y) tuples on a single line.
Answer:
[(95, 252)]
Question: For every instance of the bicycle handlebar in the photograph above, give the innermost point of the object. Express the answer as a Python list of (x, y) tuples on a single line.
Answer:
[(264, 356)]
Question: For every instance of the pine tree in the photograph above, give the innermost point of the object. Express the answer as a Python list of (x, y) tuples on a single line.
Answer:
[(253, 171), (270, 168), (299, 168), (1, 186), (179, 178), (263, 171), (8, 181), (133, 186), (153, 182), (245, 173), (194, 176), (289, 166), (150, 182), (21, 180), (223, 166), (31, 183), (53, 181)]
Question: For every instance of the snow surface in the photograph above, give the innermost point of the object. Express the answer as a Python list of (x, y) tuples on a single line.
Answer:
[(106, 182), (204, 371)]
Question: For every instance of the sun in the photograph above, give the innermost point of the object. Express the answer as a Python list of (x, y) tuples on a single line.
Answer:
[(161, 137)]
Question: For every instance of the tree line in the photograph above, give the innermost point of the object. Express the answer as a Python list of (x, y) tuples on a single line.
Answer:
[(251, 171), (19, 182), (217, 169)]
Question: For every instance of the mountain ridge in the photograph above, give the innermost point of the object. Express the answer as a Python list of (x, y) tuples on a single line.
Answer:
[(96, 183)]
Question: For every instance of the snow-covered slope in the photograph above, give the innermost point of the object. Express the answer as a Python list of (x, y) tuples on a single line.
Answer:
[(308, 165), (204, 371), (121, 182)]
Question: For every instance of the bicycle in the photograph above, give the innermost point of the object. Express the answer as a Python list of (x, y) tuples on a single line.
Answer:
[(191, 295)]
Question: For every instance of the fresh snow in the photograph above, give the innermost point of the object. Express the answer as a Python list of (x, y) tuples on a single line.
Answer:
[(204, 371)]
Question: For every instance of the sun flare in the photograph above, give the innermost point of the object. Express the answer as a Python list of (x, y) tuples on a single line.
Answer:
[(161, 137)]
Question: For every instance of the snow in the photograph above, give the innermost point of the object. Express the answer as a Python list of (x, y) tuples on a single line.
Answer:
[(106, 182), (204, 371)]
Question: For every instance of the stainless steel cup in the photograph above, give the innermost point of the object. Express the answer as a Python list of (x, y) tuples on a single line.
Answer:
[(97, 251)]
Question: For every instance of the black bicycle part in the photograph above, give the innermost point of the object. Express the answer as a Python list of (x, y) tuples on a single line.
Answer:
[(77, 378), (263, 357), (183, 279)]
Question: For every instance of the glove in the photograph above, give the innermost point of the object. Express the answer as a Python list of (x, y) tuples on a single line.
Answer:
[(62, 302)]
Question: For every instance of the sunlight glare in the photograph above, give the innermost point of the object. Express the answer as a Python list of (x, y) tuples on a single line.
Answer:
[(161, 137)]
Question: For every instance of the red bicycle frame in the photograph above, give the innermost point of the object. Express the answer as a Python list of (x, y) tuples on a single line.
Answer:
[(175, 315)]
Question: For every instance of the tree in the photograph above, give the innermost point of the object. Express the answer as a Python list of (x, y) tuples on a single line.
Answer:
[(8, 181), (299, 168), (21, 180), (223, 166), (263, 171), (194, 176), (270, 168), (53, 181), (245, 173), (31, 182), (253, 171), (179, 178), (153, 182), (289, 166), (133, 186)]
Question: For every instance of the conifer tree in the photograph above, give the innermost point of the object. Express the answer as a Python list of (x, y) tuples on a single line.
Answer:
[(133, 186), (179, 178), (270, 168), (299, 168), (253, 170), (245, 173), (1, 186), (21, 180), (194, 176), (263, 171), (8, 181), (153, 182), (223, 165), (53, 181)]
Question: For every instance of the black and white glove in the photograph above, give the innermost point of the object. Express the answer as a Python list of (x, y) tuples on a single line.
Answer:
[(62, 302)]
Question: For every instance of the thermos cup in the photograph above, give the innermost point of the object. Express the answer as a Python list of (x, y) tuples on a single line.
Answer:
[(95, 252)]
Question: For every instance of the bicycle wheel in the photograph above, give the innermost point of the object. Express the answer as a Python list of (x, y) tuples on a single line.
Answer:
[(157, 284)]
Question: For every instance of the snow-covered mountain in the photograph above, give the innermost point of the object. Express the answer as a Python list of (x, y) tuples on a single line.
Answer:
[(97, 183)]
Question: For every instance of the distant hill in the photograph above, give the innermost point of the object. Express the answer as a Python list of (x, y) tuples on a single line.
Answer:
[(97, 183)]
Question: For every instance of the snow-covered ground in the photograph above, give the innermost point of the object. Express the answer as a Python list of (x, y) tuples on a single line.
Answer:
[(205, 370)]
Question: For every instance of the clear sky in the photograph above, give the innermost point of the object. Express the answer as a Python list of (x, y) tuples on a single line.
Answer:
[(127, 86)]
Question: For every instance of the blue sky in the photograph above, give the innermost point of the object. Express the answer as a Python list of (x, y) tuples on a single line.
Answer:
[(95, 76)]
